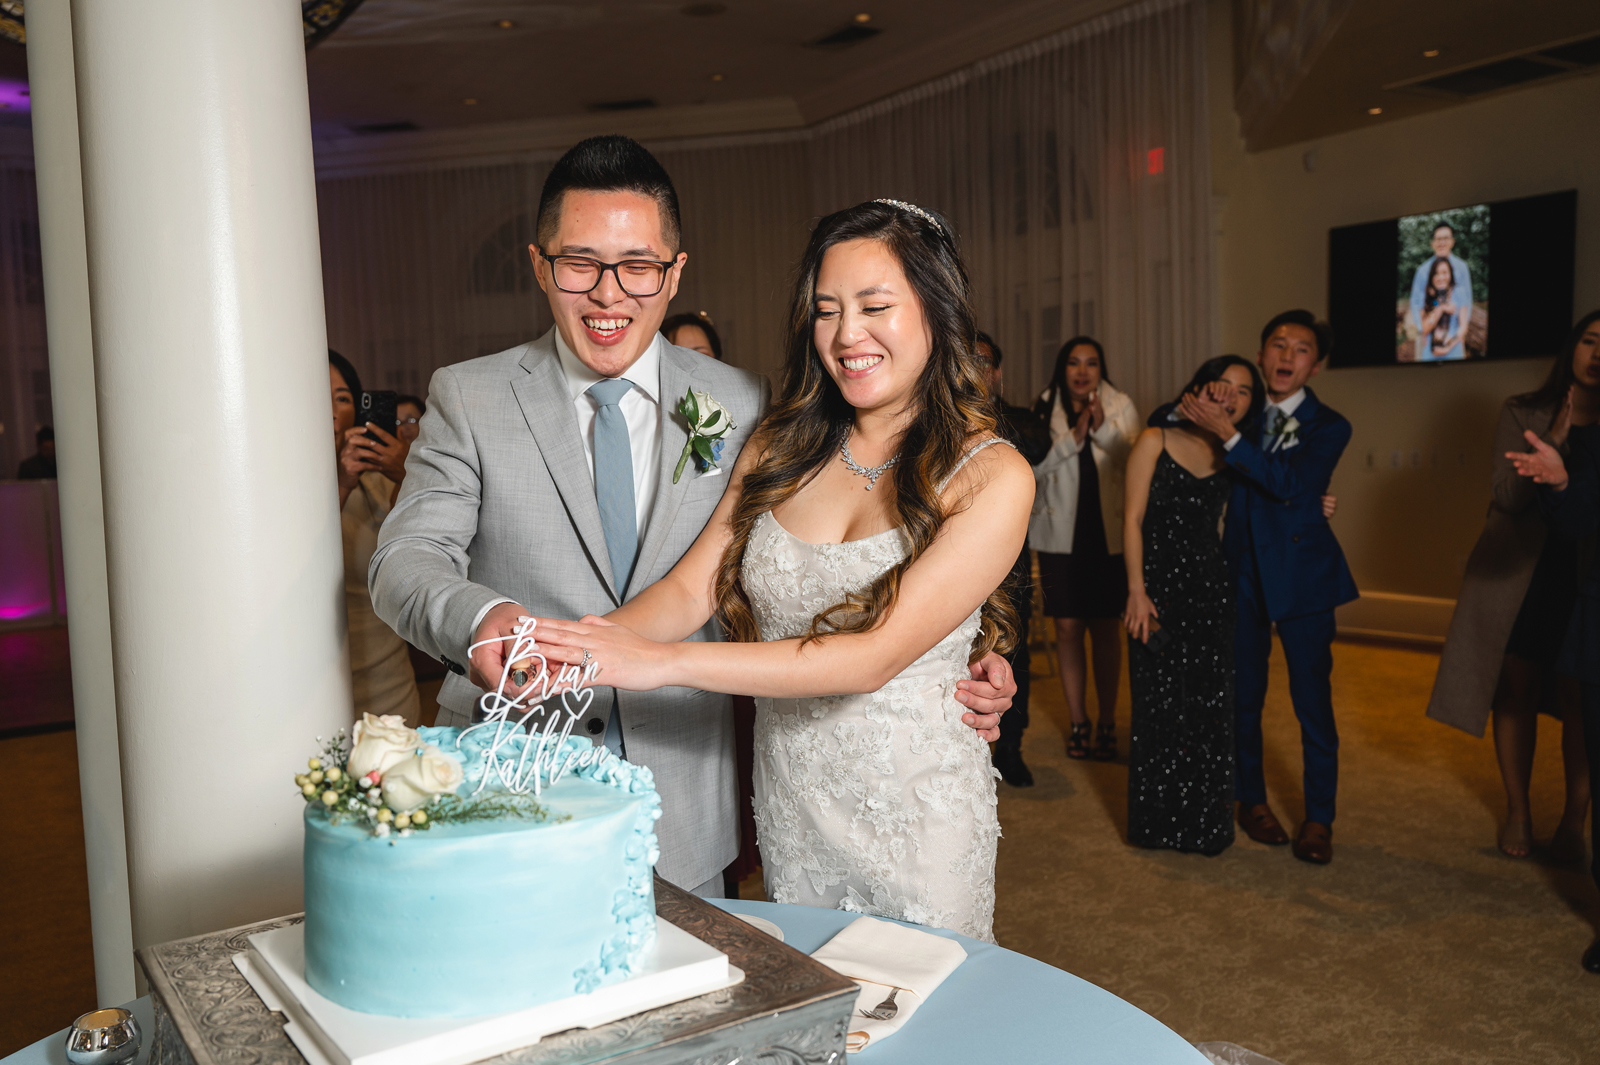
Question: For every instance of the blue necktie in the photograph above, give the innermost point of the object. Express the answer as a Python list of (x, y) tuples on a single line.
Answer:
[(613, 490), (613, 478), (1275, 421)]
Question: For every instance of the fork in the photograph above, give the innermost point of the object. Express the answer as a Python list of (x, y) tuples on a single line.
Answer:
[(885, 1010)]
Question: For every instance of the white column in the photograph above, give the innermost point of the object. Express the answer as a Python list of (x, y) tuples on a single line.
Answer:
[(83, 542), (216, 445)]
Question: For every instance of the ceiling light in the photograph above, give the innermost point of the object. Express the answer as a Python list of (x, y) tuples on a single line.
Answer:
[(863, 17), (716, 77), (505, 24), (471, 101), (1374, 110), (1431, 53)]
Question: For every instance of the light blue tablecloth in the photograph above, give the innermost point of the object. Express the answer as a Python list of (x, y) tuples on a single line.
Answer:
[(52, 1049), (999, 1006)]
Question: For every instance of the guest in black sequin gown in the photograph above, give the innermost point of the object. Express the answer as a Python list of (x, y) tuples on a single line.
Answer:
[(1179, 619)]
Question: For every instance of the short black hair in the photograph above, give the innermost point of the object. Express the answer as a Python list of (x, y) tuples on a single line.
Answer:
[(1320, 329), (415, 401), (48, 433), (995, 354), (701, 321), (612, 163), (1442, 225)]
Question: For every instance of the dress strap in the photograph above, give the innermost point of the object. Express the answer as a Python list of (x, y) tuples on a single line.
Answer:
[(973, 450)]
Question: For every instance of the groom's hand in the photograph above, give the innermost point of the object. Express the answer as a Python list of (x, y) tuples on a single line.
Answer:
[(987, 695), (486, 663)]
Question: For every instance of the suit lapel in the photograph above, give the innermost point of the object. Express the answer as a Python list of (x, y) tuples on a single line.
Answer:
[(1308, 408), (676, 376), (547, 406)]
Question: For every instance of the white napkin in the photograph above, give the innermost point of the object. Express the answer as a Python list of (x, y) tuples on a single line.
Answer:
[(881, 956)]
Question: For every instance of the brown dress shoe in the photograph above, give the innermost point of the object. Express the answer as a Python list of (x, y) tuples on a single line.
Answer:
[(1260, 825), (1314, 843)]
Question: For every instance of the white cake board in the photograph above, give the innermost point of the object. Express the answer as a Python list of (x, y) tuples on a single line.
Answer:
[(680, 967)]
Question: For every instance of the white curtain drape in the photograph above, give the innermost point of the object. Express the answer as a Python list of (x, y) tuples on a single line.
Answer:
[(1075, 170), (24, 359)]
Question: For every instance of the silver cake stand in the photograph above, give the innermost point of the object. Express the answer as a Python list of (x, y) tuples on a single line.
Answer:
[(789, 1008)]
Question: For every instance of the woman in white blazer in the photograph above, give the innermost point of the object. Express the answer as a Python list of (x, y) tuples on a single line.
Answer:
[(1077, 529)]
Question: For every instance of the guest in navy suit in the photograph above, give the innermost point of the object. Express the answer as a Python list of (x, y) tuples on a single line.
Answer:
[(1569, 495), (1289, 571)]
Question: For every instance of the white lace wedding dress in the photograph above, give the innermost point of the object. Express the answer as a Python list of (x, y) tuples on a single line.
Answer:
[(882, 803)]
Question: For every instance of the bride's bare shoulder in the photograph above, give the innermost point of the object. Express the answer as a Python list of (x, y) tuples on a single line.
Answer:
[(991, 460)]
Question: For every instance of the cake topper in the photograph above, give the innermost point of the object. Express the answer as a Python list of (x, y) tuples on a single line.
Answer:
[(526, 756)]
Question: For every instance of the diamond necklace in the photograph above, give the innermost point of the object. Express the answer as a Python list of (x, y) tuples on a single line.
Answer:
[(870, 473)]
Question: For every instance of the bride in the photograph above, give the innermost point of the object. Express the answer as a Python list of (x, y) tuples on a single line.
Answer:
[(855, 561)]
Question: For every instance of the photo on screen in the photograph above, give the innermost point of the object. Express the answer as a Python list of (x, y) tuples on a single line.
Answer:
[(1442, 304)]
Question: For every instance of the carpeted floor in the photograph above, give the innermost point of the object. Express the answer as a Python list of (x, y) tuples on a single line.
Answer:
[(1419, 944)]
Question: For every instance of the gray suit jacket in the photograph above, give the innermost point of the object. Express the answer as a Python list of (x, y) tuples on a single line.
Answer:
[(498, 501)]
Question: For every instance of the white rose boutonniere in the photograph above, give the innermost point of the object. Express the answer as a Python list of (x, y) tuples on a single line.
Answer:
[(1289, 435), (379, 743), (412, 783), (709, 422)]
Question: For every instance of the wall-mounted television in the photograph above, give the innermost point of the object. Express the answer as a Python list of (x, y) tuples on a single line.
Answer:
[(1416, 290)]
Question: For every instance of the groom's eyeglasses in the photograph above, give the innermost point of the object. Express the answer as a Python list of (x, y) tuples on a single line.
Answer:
[(580, 274)]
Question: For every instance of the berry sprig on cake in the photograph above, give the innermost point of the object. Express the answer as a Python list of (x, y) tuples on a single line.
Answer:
[(388, 777)]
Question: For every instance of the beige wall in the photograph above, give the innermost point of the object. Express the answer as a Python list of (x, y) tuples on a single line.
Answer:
[(1414, 482)]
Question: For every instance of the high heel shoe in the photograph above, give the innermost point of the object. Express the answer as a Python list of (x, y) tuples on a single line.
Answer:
[(1078, 741), (1105, 744)]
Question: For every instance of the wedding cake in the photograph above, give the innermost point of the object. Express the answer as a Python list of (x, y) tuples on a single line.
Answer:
[(453, 873)]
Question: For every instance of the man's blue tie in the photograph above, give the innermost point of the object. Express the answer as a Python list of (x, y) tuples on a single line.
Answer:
[(613, 478), (1274, 422), (613, 490)]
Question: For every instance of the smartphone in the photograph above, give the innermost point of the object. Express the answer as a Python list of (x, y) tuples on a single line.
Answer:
[(377, 408), (1160, 639)]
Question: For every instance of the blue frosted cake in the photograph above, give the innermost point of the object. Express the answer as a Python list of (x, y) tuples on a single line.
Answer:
[(432, 892)]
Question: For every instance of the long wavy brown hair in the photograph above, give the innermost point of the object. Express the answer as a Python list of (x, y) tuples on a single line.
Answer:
[(809, 421)]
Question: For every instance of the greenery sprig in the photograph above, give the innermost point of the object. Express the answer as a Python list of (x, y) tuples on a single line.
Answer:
[(327, 783)]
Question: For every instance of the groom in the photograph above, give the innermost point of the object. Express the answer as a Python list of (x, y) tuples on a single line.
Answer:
[(543, 482), (1288, 569)]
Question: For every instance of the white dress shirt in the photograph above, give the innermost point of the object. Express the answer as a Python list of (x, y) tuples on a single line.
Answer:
[(1289, 405), (641, 409)]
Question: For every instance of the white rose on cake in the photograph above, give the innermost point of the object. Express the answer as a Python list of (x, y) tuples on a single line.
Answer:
[(413, 783), (380, 742)]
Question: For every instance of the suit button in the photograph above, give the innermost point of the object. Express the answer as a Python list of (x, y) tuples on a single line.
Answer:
[(595, 726), (1050, 510), (1296, 539)]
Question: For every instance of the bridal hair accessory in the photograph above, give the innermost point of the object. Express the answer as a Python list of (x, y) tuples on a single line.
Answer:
[(709, 421), (871, 473), (926, 216)]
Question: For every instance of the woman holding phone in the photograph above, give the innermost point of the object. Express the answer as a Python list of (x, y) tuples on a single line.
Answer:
[(1180, 621), (370, 464)]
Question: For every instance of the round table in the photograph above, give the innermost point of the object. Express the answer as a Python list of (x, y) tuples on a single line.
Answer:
[(998, 1005)]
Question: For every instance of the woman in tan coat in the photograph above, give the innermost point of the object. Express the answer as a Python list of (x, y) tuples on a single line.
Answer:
[(1516, 600)]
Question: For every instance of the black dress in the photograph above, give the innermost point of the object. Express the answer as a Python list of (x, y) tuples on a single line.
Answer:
[(1091, 582), (1181, 756)]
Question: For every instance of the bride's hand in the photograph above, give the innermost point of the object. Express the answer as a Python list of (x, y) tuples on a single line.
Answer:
[(1141, 611), (623, 659)]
